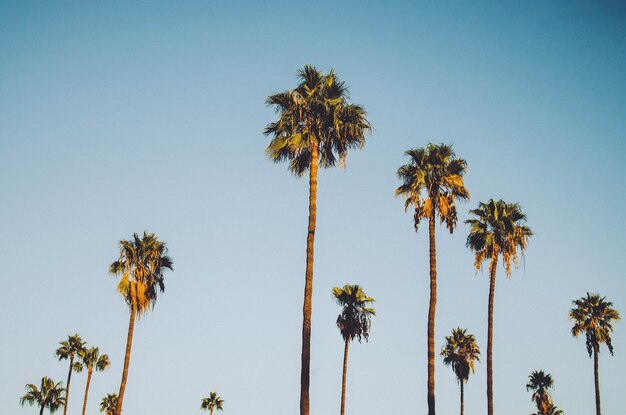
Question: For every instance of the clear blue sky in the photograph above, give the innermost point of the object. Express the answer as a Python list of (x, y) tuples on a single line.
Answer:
[(127, 116)]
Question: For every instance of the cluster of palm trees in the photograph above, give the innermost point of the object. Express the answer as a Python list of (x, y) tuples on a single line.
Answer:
[(53, 395)]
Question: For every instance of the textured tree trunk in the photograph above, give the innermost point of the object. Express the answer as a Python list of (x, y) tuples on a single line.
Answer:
[(129, 344), (343, 379), (308, 288), (431, 315), (89, 373), (492, 289), (597, 380), (67, 390), (462, 401)]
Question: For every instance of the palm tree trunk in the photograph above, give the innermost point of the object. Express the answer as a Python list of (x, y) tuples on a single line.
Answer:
[(41, 410), (343, 380), (89, 372), (492, 289), (129, 344), (308, 287), (211, 411), (431, 315), (597, 380), (67, 390), (462, 402)]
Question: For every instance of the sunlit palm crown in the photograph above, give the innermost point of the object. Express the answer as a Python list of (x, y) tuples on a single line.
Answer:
[(91, 358), (50, 395), (499, 228), (70, 347), (109, 403), (141, 264), (540, 383), (461, 351), (355, 318), (594, 316), (212, 402), (316, 114), (432, 183)]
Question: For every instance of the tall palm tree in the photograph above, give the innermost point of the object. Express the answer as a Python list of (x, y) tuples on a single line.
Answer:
[(109, 404), (432, 183), (353, 322), (316, 127), (142, 264), (460, 352), (212, 402), (540, 383), (69, 349), (49, 395), (499, 229), (91, 359), (594, 316)]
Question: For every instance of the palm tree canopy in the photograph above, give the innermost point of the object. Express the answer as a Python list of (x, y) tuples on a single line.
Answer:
[(91, 358), (315, 115), (49, 395), (499, 228), (109, 404), (460, 352), (70, 347), (212, 402), (540, 383), (594, 316), (432, 183), (141, 264), (355, 318)]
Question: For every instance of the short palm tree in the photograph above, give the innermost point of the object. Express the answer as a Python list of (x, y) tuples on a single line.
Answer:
[(540, 383), (432, 183), (316, 127), (594, 317), (460, 352), (69, 349), (91, 359), (109, 404), (212, 402), (49, 395), (353, 322), (498, 229), (142, 264)]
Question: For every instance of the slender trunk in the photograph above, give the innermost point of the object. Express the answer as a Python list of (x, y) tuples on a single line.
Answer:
[(211, 411), (41, 410), (431, 316), (308, 288), (343, 379), (597, 380), (89, 373), (462, 401), (129, 344), (492, 289), (67, 390)]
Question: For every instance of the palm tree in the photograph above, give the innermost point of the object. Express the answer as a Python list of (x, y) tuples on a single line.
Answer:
[(540, 383), (142, 264), (499, 229), (49, 395), (594, 316), (460, 352), (69, 349), (353, 322), (432, 182), (212, 402), (90, 358), (551, 410), (109, 404), (316, 127)]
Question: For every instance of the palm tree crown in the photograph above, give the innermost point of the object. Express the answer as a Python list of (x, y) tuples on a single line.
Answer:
[(540, 383), (69, 349), (499, 228), (594, 316), (432, 183), (212, 402), (141, 264), (49, 395), (460, 352), (91, 359), (108, 404), (315, 116), (355, 318)]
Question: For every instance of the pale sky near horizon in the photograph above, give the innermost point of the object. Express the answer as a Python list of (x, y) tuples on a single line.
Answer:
[(121, 117)]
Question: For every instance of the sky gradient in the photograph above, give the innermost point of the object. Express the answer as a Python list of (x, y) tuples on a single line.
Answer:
[(118, 118)]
